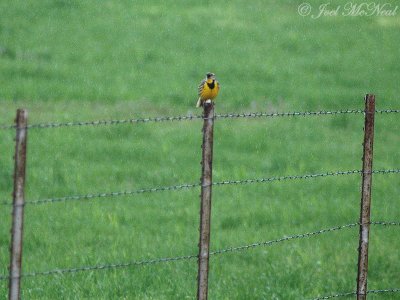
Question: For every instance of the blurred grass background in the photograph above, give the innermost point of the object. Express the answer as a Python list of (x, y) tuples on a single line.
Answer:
[(74, 61)]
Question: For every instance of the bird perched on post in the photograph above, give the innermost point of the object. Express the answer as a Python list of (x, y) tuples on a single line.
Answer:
[(208, 89)]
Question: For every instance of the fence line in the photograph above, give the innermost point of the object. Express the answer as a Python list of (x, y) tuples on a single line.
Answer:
[(189, 257), (340, 295), (197, 117), (194, 185), (363, 224)]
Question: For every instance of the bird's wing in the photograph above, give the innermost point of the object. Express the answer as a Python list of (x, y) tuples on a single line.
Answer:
[(201, 86)]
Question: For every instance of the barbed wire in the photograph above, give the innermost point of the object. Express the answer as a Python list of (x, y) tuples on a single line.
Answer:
[(284, 239), (107, 195), (395, 290), (105, 266), (301, 177), (189, 257), (299, 236), (340, 295), (193, 185), (385, 223), (186, 257), (387, 111), (291, 114), (197, 117), (108, 122)]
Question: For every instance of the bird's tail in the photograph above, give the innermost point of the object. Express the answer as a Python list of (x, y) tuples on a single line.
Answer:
[(199, 103)]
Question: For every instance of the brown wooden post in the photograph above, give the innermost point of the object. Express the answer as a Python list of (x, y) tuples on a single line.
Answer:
[(205, 206), (18, 205), (366, 197)]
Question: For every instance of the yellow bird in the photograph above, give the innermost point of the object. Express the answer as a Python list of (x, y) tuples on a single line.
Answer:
[(208, 89)]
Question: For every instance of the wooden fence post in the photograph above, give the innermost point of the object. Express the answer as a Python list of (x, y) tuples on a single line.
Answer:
[(366, 197), (18, 205), (205, 206)]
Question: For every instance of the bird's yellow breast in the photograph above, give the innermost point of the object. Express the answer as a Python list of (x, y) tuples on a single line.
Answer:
[(209, 93)]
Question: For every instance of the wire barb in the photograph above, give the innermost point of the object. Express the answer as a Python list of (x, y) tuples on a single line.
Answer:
[(197, 117)]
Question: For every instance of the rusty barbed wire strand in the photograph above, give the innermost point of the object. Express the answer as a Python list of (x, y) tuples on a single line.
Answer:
[(193, 185), (197, 117), (340, 295), (188, 257)]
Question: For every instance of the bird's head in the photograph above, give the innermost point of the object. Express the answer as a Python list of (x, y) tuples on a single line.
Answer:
[(210, 76)]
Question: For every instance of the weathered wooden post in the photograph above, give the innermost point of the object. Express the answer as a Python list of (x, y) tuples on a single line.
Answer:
[(18, 205), (366, 197), (205, 206)]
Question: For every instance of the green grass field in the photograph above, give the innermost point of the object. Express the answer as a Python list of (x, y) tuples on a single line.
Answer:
[(92, 60)]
